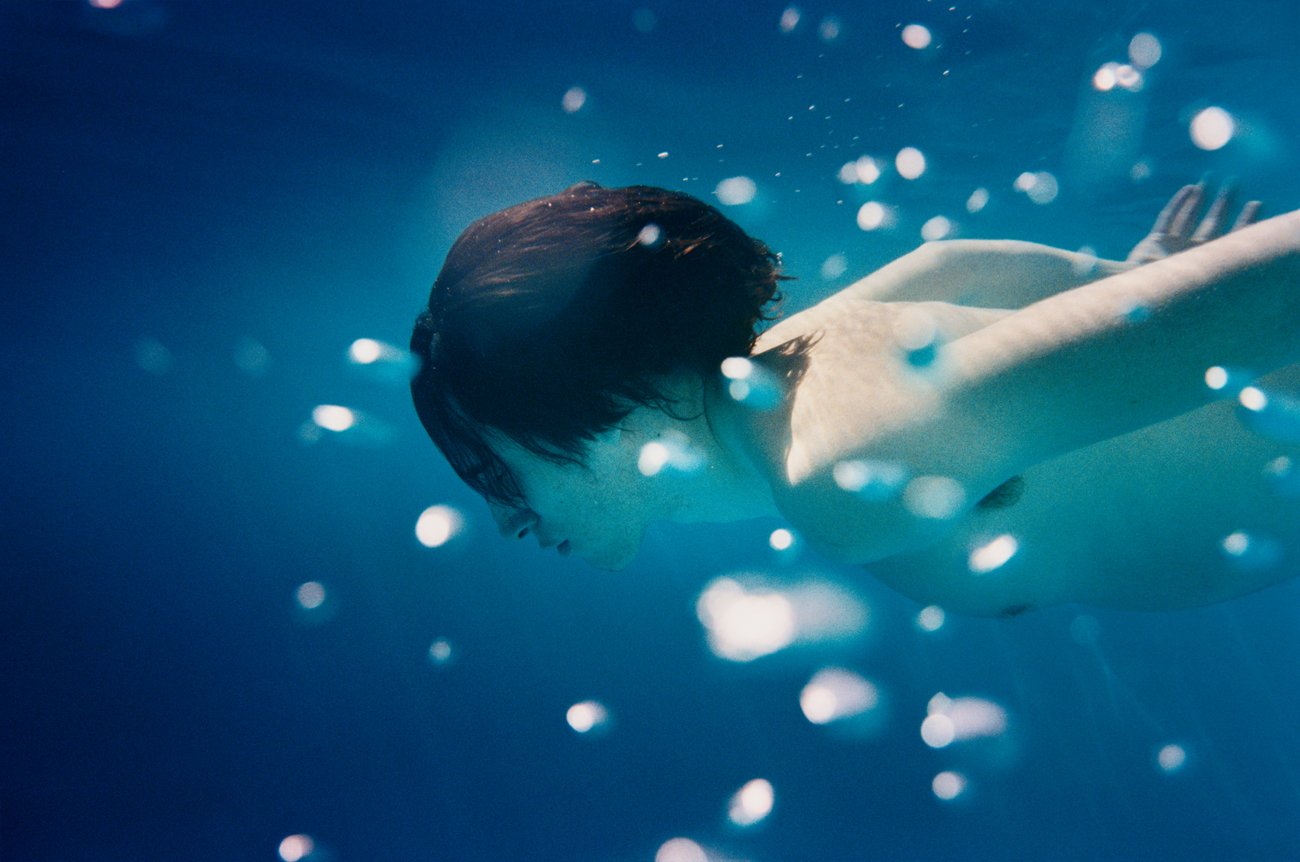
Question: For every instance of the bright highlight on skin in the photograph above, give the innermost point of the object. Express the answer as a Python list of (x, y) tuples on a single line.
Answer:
[(587, 716), (437, 525), (751, 803), (1212, 128)]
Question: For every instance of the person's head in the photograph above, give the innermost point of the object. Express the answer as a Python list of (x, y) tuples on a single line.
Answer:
[(554, 319)]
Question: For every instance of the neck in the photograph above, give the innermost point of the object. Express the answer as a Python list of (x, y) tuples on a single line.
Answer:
[(731, 484)]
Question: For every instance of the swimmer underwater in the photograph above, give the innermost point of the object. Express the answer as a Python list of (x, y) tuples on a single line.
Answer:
[(1023, 390)]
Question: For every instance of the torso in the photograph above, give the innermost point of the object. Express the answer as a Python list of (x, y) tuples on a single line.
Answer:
[(1137, 521)]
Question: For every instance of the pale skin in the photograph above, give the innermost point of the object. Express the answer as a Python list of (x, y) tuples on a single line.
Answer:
[(1085, 379)]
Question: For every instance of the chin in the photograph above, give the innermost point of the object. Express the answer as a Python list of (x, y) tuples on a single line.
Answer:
[(613, 559)]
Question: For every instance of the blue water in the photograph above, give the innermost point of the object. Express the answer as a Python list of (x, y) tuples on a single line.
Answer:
[(207, 203)]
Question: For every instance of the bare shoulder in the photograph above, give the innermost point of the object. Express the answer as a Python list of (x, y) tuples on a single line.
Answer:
[(861, 390)]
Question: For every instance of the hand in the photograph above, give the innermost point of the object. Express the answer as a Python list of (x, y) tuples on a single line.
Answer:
[(1173, 230)]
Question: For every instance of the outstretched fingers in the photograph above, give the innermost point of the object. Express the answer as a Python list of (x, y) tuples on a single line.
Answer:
[(1249, 215)]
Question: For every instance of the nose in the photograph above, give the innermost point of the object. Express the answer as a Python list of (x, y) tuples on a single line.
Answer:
[(514, 523)]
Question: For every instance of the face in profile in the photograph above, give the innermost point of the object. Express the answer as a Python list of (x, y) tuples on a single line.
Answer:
[(597, 510)]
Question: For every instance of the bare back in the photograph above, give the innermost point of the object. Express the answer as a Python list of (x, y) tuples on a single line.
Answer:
[(1136, 521)]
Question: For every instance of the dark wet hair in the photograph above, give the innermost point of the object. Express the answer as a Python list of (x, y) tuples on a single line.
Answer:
[(555, 318)]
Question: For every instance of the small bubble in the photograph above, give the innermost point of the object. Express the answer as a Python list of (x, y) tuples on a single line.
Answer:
[(936, 497), (437, 525), (948, 785), (296, 848), (910, 163), (1171, 758), (310, 595), (680, 850), (977, 200), (440, 651), (790, 19), (650, 236), (781, 539), (937, 228), (574, 99), (1144, 50), (993, 555), (587, 716), (830, 28), (930, 619), (735, 191), (1212, 128), (251, 357), (916, 36), (834, 267), (876, 481), (752, 803)]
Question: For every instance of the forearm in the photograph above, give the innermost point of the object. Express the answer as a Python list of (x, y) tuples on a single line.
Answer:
[(1131, 350)]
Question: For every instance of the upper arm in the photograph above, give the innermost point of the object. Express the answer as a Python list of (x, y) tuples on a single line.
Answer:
[(985, 273), (1061, 374)]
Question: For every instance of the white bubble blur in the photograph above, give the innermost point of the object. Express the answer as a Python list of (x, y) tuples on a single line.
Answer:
[(829, 29), (916, 36), (1274, 414), (951, 720), (1171, 758), (993, 554), (573, 100), (872, 480), (650, 235), (1040, 186), (379, 362), (1144, 50), (735, 191), (867, 169), (440, 651), (948, 785), (680, 850), (910, 163), (790, 19), (673, 450), (834, 266), (437, 525), (937, 730), (834, 694), (1212, 128), (746, 621), (935, 497), (978, 200), (781, 539), (751, 803), (745, 624), (930, 618), (587, 716), (872, 215), (937, 228), (332, 417), (310, 595), (296, 848), (752, 384)]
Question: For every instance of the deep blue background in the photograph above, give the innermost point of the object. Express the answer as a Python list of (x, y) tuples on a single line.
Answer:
[(199, 174)]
